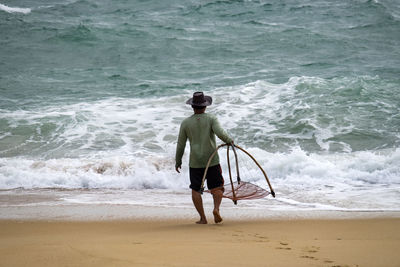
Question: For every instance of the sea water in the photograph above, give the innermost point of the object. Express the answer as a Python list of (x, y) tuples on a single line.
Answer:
[(92, 94)]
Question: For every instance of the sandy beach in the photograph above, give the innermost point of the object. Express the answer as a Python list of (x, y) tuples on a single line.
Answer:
[(349, 242)]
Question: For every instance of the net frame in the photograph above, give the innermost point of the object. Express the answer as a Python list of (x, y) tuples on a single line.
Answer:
[(234, 189)]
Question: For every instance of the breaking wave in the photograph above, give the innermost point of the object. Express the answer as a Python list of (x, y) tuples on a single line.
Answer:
[(15, 9)]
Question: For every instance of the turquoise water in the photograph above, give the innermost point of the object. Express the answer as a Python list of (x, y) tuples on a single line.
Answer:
[(311, 87)]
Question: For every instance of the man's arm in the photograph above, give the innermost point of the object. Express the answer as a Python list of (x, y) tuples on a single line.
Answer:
[(217, 129), (180, 148)]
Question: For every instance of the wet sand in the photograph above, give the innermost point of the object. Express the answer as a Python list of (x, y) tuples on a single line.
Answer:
[(349, 242)]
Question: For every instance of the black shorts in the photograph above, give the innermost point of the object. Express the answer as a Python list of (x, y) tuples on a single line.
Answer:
[(214, 177)]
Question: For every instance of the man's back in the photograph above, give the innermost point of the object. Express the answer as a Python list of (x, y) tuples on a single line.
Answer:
[(200, 129)]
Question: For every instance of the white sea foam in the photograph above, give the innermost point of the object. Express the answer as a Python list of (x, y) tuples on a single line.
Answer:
[(135, 173), (129, 144), (354, 181), (15, 9)]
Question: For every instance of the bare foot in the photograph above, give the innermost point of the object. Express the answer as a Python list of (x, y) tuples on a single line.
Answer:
[(217, 217), (202, 221)]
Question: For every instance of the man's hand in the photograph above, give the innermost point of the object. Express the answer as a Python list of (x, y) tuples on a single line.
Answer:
[(177, 169)]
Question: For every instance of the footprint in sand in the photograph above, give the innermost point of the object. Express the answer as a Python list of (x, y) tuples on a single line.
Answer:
[(283, 248), (312, 249), (260, 238), (308, 257), (238, 237), (284, 244)]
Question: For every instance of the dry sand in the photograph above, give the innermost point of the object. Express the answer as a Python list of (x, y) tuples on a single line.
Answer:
[(365, 242)]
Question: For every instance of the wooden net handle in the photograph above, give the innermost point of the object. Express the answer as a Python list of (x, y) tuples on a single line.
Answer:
[(208, 165), (230, 176)]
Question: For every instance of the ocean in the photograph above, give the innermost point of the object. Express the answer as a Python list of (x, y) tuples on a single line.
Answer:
[(92, 93)]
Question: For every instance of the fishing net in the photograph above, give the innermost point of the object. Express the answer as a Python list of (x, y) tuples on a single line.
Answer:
[(247, 170), (244, 190)]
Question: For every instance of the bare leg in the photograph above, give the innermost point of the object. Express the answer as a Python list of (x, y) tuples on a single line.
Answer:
[(217, 196), (198, 203)]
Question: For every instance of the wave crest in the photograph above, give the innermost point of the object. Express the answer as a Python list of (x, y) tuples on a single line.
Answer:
[(15, 9)]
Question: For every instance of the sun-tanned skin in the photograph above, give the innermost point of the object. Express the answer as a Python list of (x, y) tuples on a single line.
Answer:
[(217, 196), (197, 199)]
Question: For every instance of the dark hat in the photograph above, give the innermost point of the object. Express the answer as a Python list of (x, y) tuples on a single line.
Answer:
[(199, 99)]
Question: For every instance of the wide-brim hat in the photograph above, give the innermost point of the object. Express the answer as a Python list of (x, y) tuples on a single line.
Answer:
[(200, 100)]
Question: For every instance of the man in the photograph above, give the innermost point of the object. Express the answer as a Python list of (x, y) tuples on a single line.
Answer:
[(200, 129)]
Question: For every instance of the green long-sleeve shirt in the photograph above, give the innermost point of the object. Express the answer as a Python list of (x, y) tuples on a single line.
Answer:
[(200, 129)]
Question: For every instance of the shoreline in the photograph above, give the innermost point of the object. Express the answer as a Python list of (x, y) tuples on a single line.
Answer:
[(321, 242), (103, 205), (117, 212)]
